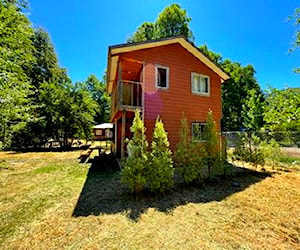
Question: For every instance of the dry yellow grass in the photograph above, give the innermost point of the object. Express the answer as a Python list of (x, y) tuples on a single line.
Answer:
[(49, 200)]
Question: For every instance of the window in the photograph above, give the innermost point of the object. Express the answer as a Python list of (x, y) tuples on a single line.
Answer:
[(98, 132), (162, 77), (200, 84), (198, 131)]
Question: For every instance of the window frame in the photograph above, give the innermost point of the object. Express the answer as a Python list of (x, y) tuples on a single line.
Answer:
[(208, 84), (201, 139), (157, 66), (99, 132)]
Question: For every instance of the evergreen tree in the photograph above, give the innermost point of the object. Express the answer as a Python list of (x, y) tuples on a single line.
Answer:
[(161, 171), (134, 173), (188, 156), (212, 143)]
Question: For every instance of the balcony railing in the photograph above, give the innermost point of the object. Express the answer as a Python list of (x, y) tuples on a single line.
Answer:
[(127, 94)]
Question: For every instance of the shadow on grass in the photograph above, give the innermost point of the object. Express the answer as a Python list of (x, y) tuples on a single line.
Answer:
[(45, 150), (103, 192)]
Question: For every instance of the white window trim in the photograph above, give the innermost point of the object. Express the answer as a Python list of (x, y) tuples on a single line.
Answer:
[(156, 72), (196, 92)]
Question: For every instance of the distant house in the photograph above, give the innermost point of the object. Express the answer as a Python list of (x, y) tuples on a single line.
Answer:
[(103, 131), (166, 77)]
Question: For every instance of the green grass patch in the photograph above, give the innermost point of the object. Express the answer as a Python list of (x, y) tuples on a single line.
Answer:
[(51, 201), (3, 165), (26, 193), (47, 169), (289, 159)]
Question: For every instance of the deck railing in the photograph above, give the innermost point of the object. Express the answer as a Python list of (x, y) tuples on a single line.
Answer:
[(127, 94)]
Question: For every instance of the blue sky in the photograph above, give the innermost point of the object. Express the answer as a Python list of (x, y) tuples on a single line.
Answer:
[(250, 32)]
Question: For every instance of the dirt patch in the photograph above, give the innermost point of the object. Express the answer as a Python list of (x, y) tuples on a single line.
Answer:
[(293, 152)]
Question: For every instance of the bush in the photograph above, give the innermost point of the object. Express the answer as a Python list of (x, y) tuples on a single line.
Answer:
[(271, 151), (135, 165), (249, 150), (212, 144), (189, 156), (160, 172)]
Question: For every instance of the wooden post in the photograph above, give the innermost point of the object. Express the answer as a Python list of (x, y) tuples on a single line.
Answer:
[(131, 93), (143, 84), (116, 137), (123, 134), (120, 87)]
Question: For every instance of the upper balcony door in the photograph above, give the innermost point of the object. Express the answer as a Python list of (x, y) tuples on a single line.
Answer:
[(131, 93), (131, 79)]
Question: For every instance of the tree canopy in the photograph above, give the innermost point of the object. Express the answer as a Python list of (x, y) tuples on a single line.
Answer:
[(282, 112), (242, 98), (172, 21), (296, 43), (16, 58), (38, 101)]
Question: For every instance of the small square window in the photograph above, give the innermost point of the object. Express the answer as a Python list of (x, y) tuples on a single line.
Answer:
[(200, 84), (198, 131), (162, 77), (98, 132)]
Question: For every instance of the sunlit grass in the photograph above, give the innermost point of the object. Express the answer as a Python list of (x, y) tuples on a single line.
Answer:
[(40, 192)]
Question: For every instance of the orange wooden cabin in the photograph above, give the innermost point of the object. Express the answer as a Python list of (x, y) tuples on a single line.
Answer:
[(166, 77)]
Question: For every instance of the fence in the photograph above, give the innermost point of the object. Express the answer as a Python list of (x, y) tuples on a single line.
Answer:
[(284, 139)]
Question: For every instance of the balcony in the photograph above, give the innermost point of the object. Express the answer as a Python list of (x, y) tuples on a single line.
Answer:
[(127, 95)]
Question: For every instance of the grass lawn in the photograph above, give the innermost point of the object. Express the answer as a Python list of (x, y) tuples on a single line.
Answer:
[(50, 201)]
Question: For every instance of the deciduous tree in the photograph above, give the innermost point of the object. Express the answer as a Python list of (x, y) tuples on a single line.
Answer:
[(296, 44), (172, 21), (235, 92), (98, 93), (147, 31), (282, 110), (16, 57), (253, 111)]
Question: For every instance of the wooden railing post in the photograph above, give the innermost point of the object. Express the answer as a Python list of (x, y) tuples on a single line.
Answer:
[(123, 134), (120, 88)]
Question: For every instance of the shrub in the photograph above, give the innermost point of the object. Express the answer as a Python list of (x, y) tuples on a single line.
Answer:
[(271, 151), (249, 150), (211, 144), (160, 172), (135, 165), (189, 156)]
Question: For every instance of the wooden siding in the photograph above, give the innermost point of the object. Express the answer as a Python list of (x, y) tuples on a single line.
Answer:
[(171, 103)]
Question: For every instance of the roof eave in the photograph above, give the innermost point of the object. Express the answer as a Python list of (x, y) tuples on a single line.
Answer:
[(115, 50)]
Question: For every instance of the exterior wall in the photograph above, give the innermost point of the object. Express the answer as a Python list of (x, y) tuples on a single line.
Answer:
[(171, 103)]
